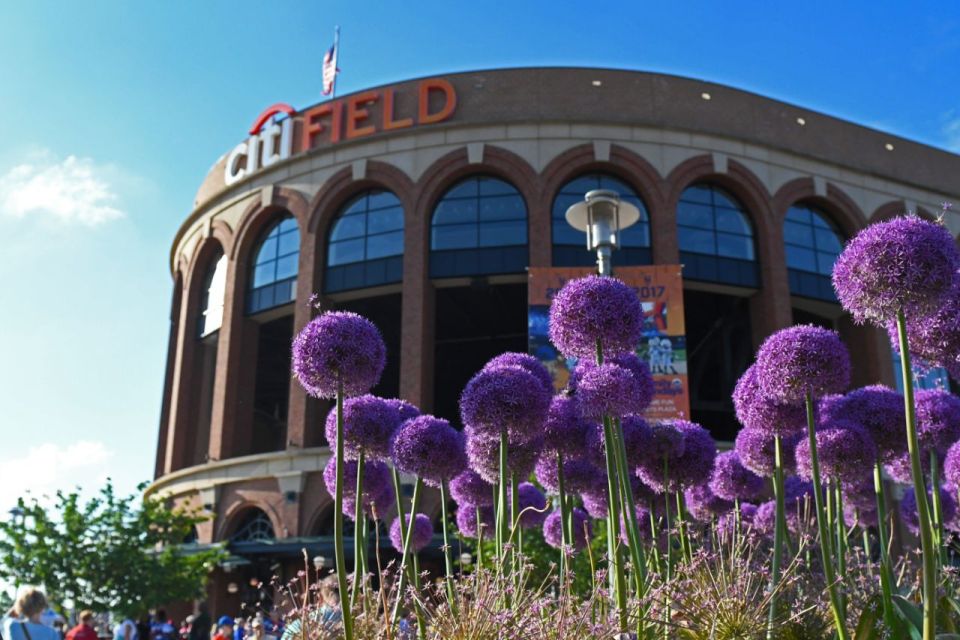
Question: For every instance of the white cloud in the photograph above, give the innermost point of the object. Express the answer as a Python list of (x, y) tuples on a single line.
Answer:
[(72, 190), (951, 131), (48, 467)]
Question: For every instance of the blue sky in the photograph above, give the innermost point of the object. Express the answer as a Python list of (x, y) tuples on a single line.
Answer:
[(112, 112)]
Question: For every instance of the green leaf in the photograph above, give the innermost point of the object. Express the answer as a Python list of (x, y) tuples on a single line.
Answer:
[(911, 614), (867, 625)]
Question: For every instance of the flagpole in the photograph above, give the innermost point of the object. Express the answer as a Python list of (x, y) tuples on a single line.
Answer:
[(336, 59)]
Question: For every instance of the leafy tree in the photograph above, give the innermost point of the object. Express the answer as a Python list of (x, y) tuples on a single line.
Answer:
[(108, 553)]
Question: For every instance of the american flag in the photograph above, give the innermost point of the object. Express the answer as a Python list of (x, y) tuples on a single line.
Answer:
[(329, 69)]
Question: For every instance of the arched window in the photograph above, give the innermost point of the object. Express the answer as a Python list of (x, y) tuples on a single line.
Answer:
[(211, 297), (812, 244), (273, 281), (569, 245), (715, 237), (365, 247), (479, 227), (254, 527)]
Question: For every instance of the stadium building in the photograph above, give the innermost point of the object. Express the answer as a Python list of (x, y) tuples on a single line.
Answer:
[(422, 204)]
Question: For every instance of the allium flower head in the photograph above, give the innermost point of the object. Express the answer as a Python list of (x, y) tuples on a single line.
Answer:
[(757, 451), (595, 308), (795, 488), (468, 488), (903, 264), (628, 360), (862, 517), (404, 409), (899, 467), (703, 504), (467, 520), (934, 335), (422, 533), (524, 361), (582, 528), (612, 390), (878, 409), (483, 455), (759, 412), (579, 474), (938, 419), (595, 503), (951, 467), (860, 494), (506, 397), (643, 525), (908, 508), (691, 467), (800, 360), (733, 481), (727, 522), (369, 423), (377, 486), (335, 347), (533, 505), (564, 430), (845, 450), (430, 449), (636, 440)]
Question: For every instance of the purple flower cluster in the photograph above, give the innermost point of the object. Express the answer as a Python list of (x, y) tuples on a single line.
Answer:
[(733, 481), (483, 455), (758, 412), (643, 525), (506, 397), (903, 264), (935, 336), (757, 451), (802, 360), (468, 487), (612, 390), (692, 466), (637, 437), (467, 519), (582, 529), (727, 522), (430, 449), (338, 347), (524, 361), (629, 361), (938, 419), (533, 505), (564, 430), (951, 467), (369, 423), (404, 409), (908, 509), (378, 493), (592, 309), (878, 409), (703, 504), (579, 474), (845, 450), (422, 533)]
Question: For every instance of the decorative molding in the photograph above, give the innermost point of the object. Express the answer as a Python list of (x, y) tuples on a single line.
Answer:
[(475, 153)]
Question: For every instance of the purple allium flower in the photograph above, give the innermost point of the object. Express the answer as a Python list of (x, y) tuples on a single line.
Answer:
[(934, 336), (369, 423), (405, 410), (800, 360), (903, 264), (430, 449), (845, 451), (468, 488), (533, 505), (727, 522), (691, 467), (630, 361), (595, 503), (908, 508), (938, 419), (899, 467), (335, 347), (582, 528), (765, 519), (483, 455), (862, 517), (758, 412), (467, 520), (703, 504), (757, 451), (878, 409), (579, 474), (595, 308), (951, 467), (377, 486), (731, 480), (524, 361), (860, 494), (564, 430), (612, 390), (643, 525), (506, 397), (636, 440), (422, 533), (795, 488)]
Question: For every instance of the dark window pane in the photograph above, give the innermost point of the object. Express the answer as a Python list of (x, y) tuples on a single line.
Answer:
[(287, 224), (825, 263), (288, 243), (578, 187), (700, 194), (459, 236), (385, 220), (799, 234), (721, 199), (455, 211), (799, 258), (562, 203), (268, 250), (349, 227), (344, 252), (696, 240), (383, 245), (502, 208), (820, 221), (636, 236), (494, 187), (495, 234), (695, 215), (287, 266), (465, 189), (382, 200), (735, 246), (827, 240), (733, 222), (565, 234), (263, 274), (798, 214)]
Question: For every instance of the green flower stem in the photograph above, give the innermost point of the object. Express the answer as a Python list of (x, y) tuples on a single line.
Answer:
[(937, 509), (338, 548), (359, 516), (778, 533), (566, 533), (448, 560), (887, 584), (841, 547), (927, 549), (421, 620), (686, 547), (502, 516), (867, 547), (669, 559), (637, 555), (405, 564), (516, 531), (479, 538), (825, 546)]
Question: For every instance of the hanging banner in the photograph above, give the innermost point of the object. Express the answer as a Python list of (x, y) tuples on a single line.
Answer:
[(663, 345)]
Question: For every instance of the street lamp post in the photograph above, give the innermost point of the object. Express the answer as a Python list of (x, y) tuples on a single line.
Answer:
[(602, 215)]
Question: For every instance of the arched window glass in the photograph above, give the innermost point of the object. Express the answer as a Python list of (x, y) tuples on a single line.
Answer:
[(273, 281), (569, 245), (812, 244), (254, 527), (211, 297), (479, 227), (715, 237), (365, 247)]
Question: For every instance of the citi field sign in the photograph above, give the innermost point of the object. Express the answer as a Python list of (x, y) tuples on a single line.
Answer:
[(281, 131)]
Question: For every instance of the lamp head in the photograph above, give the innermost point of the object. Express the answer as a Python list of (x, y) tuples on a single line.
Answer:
[(601, 216)]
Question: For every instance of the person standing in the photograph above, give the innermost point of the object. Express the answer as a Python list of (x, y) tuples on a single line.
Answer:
[(162, 628), (126, 629), (200, 627), (23, 621), (224, 628), (84, 629)]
